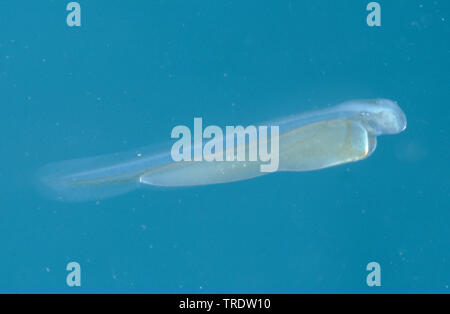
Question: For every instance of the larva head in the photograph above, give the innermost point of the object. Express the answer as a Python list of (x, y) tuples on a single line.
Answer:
[(379, 116)]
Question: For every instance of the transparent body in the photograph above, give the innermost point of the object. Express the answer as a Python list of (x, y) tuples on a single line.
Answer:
[(309, 141)]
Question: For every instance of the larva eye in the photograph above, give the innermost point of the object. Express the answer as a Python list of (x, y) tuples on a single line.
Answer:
[(364, 114)]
